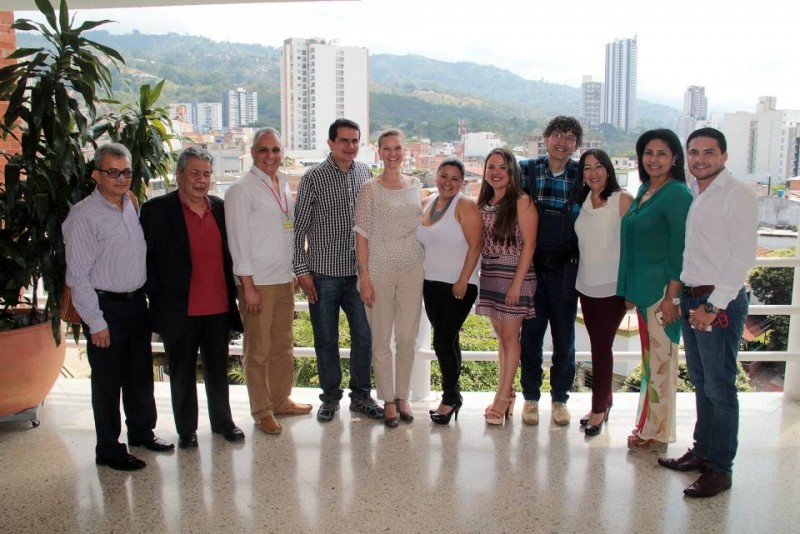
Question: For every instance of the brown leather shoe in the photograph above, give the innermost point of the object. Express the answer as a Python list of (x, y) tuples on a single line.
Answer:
[(709, 484), (269, 425), (687, 462), (295, 408)]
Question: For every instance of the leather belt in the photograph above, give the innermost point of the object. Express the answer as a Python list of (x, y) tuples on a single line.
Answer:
[(120, 296), (698, 291)]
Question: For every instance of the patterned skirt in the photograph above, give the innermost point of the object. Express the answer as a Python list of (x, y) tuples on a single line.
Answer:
[(497, 273)]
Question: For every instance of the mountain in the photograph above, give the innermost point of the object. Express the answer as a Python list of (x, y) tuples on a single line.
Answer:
[(423, 96)]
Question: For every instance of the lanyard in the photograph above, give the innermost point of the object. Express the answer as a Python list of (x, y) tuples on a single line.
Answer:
[(285, 210)]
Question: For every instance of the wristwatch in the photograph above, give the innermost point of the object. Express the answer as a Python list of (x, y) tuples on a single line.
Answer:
[(676, 301), (710, 308)]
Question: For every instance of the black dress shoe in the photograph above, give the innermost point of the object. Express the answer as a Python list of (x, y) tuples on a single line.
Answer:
[(687, 462), (232, 434), (123, 463), (709, 484), (155, 444), (188, 441)]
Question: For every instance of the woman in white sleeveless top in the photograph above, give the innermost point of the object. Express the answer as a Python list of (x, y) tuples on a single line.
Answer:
[(450, 232), (598, 229)]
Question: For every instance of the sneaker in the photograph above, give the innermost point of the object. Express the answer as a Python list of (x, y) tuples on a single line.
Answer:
[(530, 412), (560, 413), (367, 406), (327, 410)]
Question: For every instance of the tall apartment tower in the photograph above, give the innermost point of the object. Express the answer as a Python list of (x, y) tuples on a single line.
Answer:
[(239, 108), (591, 103), (620, 87), (695, 112), (321, 82)]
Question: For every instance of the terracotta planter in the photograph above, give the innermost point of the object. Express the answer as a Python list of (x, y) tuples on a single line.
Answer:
[(30, 363)]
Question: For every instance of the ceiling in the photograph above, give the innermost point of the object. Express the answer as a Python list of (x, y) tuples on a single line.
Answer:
[(30, 5)]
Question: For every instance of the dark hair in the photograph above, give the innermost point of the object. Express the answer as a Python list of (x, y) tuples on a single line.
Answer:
[(565, 124), (115, 150), (193, 152), (668, 136), (505, 226), (265, 131), (713, 133), (333, 131), (611, 184), (452, 162), (388, 133)]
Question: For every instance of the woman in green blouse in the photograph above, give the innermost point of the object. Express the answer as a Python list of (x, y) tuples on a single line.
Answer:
[(649, 277)]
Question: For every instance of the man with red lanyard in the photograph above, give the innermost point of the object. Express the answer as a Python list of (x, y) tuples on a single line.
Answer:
[(259, 217)]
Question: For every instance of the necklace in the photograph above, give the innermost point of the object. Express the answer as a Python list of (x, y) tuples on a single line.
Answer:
[(650, 191), (435, 214)]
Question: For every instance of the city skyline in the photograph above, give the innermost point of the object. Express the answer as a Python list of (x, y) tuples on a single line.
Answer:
[(738, 53)]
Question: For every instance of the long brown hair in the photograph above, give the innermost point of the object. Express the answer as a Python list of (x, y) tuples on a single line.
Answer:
[(505, 226)]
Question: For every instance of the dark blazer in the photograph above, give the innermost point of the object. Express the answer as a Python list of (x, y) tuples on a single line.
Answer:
[(169, 264)]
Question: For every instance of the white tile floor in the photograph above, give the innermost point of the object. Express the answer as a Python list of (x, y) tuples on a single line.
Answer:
[(355, 475)]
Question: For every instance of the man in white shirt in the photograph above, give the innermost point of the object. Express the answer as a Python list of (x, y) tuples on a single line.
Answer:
[(259, 216), (720, 250)]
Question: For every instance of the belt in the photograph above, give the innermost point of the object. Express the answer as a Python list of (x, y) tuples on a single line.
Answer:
[(698, 291), (119, 296)]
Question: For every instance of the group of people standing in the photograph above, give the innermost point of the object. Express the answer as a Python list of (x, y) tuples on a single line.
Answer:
[(542, 234)]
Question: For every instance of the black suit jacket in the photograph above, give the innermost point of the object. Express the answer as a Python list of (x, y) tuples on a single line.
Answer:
[(169, 264)]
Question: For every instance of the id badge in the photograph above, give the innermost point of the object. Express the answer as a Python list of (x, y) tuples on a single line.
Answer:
[(288, 225)]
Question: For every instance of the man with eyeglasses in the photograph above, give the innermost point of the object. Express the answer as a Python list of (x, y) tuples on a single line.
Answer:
[(552, 181), (192, 294), (105, 252)]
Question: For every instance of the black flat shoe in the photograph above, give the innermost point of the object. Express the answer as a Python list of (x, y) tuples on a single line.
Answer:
[(232, 434), (155, 445), (188, 441), (444, 418), (123, 463)]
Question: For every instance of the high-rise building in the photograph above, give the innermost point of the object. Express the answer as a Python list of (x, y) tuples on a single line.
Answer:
[(321, 82), (620, 87), (591, 103), (695, 112), (761, 145), (239, 108)]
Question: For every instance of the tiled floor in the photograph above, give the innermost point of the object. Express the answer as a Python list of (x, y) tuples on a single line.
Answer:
[(354, 475)]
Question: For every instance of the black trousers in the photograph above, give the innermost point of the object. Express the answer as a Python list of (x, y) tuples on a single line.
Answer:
[(447, 314), (126, 366), (210, 334)]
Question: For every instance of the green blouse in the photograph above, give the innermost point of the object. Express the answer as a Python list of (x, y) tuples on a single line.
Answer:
[(652, 240)]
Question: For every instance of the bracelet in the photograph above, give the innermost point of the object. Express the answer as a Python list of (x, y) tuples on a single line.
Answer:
[(362, 267)]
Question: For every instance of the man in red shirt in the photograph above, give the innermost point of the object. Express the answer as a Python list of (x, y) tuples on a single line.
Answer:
[(192, 294)]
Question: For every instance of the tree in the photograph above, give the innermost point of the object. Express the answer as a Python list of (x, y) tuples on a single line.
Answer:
[(773, 285)]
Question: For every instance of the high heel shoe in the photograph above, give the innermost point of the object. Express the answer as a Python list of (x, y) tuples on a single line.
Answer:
[(493, 416), (593, 430), (444, 418), (404, 416), (391, 422)]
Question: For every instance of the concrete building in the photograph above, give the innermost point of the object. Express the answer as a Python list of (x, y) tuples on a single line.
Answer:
[(762, 146), (204, 117), (478, 144), (321, 82), (591, 103), (695, 112), (619, 101), (239, 108)]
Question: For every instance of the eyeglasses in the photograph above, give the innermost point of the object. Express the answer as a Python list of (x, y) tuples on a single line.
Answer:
[(115, 174), (561, 136)]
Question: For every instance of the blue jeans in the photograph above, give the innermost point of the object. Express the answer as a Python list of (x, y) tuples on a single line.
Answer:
[(333, 293), (711, 359), (556, 302)]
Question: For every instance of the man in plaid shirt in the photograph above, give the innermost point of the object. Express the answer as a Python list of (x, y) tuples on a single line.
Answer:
[(325, 265), (553, 181)]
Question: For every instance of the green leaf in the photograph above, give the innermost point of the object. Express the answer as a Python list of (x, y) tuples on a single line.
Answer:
[(47, 10)]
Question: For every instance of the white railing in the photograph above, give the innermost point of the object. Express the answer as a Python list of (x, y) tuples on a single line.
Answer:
[(421, 378)]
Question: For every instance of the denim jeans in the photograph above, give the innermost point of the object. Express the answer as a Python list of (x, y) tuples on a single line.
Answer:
[(711, 359), (556, 302), (333, 293)]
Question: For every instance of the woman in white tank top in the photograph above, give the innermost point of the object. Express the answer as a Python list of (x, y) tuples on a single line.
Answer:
[(598, 229), (450, 232)]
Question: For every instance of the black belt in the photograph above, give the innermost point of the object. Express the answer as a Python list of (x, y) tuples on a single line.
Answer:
[(120, 296), (698, 291)]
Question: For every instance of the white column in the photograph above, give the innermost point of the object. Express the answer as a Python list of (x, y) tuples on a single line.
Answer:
[(791, 382), (421, 374)]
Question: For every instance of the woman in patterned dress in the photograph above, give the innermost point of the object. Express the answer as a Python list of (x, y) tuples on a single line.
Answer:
[(389, 256), (507, 279)]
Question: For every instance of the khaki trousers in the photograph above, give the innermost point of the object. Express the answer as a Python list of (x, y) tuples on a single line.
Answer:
[(397, 307), (268, 353)]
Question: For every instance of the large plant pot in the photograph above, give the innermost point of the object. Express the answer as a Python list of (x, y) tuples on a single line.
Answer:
[(30, 363)]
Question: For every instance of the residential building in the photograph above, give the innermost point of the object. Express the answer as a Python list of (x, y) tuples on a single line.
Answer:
[(321, 82), (204, 117), (239, 108), (619, 102), (695, 112), (478, 144), (591, 103), (762, 146)]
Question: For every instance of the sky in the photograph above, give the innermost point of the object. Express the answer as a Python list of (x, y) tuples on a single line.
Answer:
[(737, 52)]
